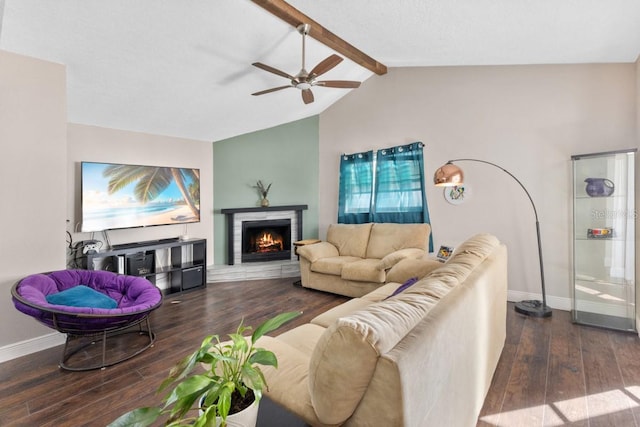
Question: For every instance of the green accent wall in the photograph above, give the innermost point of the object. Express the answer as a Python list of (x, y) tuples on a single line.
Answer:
[(287, 156)]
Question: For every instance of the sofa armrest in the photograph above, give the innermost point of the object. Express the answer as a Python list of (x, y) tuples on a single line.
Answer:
[(395, 257), (314, 252)]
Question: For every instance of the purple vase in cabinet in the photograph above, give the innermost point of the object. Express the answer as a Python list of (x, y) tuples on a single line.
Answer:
[(599, 187)]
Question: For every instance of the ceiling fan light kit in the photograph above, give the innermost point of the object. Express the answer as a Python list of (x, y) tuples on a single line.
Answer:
[(305, 80)]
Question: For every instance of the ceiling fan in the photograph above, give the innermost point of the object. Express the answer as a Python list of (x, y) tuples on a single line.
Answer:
[(305, 80)]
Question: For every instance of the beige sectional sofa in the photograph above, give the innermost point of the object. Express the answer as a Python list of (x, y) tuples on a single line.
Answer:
[(423, 357), (354, 259)]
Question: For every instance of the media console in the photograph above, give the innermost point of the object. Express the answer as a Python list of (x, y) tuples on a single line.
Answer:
[(183, 261)]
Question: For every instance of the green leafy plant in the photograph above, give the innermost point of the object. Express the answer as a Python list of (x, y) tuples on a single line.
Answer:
[(232, 375)]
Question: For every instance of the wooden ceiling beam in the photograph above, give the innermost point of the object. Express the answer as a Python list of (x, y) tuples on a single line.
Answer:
[(294, 17)]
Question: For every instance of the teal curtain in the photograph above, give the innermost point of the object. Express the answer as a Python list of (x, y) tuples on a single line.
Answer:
[(387, 186), (399, 185), (356, 188), (399, 190)]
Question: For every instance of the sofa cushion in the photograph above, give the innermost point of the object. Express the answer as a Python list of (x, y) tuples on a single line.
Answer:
[(303, 338), (391, 319), (480, 245), (334, 265), (350, 239), (387, 238), (468, 256), (408, 268), (340, 369), (433, 287), (381, 292), (347, 353), (395, 257), (288, 383), (327, 318), (364, 270), (404, 286)]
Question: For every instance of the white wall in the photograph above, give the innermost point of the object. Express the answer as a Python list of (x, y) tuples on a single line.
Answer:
[(40, 159), (637, 91), (527, 119), (33, 191), (96, 144)]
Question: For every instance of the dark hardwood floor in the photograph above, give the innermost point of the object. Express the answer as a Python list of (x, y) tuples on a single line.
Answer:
[(556, 373), (551, 373)]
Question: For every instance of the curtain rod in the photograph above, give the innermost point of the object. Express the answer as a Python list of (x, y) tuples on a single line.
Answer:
[(420, 143)]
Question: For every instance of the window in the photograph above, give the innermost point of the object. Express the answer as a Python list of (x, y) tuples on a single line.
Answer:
[(387, 186)]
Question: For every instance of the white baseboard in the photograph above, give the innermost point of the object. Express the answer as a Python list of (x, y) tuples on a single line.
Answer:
[(32, 345)]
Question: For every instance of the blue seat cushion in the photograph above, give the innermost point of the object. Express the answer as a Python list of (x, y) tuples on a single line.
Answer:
[(82, 296)]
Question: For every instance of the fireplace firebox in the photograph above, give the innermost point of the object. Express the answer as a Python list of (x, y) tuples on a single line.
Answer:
[(266, 240)]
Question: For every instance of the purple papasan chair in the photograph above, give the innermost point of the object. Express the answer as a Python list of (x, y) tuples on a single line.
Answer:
[(136, 298)]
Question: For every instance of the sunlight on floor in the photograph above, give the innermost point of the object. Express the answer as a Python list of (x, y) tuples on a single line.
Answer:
[(568, 411), (598, 294)]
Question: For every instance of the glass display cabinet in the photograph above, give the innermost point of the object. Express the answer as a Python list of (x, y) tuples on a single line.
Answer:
[(604, 239)]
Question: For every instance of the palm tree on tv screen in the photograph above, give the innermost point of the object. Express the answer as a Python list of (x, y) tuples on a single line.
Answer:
[(152, 181)]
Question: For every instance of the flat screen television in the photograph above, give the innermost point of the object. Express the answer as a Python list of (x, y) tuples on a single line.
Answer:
[(118, 196)]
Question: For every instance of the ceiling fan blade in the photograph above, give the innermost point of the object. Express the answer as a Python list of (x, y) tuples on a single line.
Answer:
[(325, 65), (341, 84), (273, 70), (262, 92), (307, 96)]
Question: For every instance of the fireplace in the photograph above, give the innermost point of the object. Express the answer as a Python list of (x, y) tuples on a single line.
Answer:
[(266, 240), (273, 218)]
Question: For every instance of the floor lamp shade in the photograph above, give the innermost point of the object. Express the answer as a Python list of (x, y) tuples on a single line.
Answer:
[(449, 175)]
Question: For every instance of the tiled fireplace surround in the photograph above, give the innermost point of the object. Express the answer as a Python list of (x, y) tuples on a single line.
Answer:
[(238, 270)]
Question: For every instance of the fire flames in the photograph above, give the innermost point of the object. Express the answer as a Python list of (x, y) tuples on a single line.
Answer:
[(267, 243)]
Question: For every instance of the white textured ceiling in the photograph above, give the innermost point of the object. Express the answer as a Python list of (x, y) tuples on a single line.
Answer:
[(183, 68)]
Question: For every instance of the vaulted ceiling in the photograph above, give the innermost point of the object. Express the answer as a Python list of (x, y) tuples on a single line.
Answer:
[(183, 68)]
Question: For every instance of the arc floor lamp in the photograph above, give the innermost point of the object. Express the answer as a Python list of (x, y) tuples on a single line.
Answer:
[(450, 175)]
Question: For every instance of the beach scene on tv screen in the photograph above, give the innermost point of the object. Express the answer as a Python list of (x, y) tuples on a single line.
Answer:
[(123, 196)]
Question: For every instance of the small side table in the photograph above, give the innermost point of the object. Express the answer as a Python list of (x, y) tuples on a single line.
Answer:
[(298, 244)]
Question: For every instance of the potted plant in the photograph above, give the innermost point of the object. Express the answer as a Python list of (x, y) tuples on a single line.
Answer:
[(263, 191), (232, 380)]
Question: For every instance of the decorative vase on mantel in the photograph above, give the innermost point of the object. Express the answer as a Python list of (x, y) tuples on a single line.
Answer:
[(263, 192)]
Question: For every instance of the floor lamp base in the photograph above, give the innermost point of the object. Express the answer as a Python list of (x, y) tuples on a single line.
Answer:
[(533, 308)]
